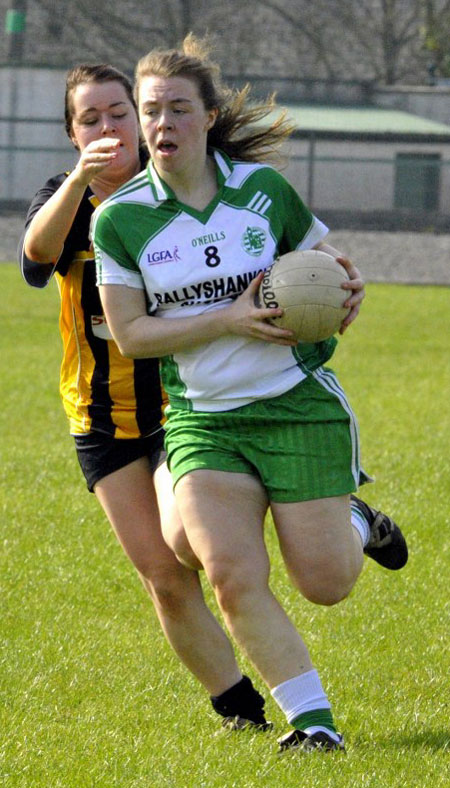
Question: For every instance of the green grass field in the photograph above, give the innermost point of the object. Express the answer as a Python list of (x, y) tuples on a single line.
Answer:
[(92, 694)]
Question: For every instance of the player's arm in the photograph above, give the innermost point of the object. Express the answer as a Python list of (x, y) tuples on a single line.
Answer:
[(355, 284), (139, 335), (49, 228)]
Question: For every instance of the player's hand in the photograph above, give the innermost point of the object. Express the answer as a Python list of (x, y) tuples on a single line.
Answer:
[(356, 285), (246, 318), (96, 156)]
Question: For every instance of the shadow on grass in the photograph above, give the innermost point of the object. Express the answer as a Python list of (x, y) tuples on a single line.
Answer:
[(435, 741)]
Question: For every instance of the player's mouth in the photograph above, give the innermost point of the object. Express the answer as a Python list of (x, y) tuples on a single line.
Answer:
[(167, 148)]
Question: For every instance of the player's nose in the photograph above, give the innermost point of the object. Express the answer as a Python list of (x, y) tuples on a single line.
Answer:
[(108, 126), (164, 122)]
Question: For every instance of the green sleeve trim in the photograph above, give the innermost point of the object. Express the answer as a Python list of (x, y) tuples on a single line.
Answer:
[(108, 240)]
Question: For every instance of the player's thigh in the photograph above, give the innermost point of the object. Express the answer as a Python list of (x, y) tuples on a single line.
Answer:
[(129, 500), (223, 514), (171, 524), (318, 546)]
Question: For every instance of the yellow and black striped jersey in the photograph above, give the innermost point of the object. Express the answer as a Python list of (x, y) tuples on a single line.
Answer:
[(101, 390)]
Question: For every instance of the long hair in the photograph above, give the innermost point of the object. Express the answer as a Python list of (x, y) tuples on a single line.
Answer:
[(238, 129)]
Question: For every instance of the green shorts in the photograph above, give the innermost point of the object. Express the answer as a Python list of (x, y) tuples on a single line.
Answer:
[(303, 444)]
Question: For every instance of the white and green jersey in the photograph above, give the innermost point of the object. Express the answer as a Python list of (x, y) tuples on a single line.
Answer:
[(191, 261)]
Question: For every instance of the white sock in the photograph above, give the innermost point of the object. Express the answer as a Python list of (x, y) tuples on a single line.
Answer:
[(300, 694), (360, 523)]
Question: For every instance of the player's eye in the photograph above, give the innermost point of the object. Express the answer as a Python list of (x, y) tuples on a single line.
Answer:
[(118, 117)]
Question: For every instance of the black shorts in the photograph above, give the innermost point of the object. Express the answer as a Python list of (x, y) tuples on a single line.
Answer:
[(100, 454)]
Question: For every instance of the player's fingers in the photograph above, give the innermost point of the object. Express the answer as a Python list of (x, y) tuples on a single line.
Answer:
[(252, 291), (354, 299), (353, 272), (356, 285), (272, 333), (87, 168), (267, 313), (251, 295), (353, 284), (255, 283), (104, 144), (344, 261), (349, 319)]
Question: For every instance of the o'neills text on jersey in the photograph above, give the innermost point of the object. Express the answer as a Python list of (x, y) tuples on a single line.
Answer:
[(202, 240)]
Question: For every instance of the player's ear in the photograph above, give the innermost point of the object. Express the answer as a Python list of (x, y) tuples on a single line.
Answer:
[(74, 142), (212, 117)]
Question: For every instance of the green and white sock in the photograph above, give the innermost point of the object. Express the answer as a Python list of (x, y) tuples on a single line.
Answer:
[(318, 720), (303, 701)]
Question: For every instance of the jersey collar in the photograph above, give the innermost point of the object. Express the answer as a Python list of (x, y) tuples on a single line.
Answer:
[(161, 190)]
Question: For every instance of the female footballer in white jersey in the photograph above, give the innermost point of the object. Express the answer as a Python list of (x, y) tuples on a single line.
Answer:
[(254, 419)]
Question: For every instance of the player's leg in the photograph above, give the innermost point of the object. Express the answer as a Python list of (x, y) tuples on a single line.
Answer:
[(171, 525), (240, 704), (322, 543), (223, 514), (321, 550), (323, 553), (225, 529), (129, 501)]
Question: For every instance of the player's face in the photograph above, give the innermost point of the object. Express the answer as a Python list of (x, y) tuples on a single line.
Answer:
[(103, 109), (174, 122)]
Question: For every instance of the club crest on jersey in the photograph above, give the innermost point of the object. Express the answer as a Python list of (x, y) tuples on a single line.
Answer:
[(253, 241), (163, 256)]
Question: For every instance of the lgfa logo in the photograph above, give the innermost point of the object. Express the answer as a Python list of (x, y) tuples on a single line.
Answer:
[(163, 256)]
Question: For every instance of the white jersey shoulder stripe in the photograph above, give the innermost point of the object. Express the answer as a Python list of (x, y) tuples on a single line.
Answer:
[(260, 203), (242, 171), (160, 192), (223, 165)]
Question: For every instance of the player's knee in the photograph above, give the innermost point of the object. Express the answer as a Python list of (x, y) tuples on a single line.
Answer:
[(327, 590), (175, 537), (166, 580), (326, 596), (235, 585), (178, 542), (169, 591)]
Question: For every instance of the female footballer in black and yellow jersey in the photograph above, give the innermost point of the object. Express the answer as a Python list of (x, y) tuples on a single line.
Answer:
[(101, 390)]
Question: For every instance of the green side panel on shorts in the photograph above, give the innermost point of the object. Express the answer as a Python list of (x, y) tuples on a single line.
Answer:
[(172, 382), (310, 357)]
